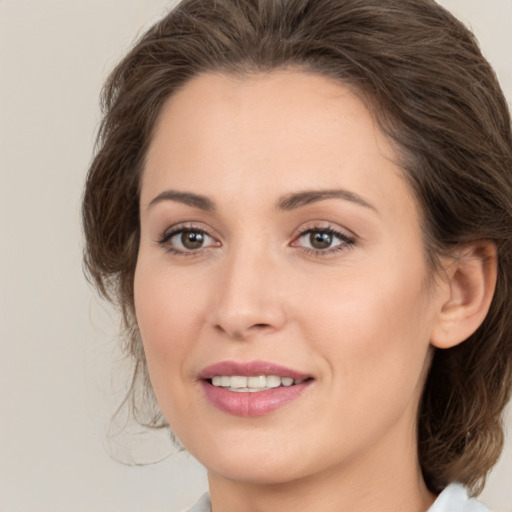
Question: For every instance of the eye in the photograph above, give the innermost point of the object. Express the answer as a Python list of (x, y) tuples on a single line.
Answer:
[(186, 240), (323, 240)]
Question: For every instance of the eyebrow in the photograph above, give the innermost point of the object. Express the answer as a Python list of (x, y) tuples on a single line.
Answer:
[(286, 203), (299, 199), (188, 198)]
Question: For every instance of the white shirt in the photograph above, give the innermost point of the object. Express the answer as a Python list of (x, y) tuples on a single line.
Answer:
[(453, 499)]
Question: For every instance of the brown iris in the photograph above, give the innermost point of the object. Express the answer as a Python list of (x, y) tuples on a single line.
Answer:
[(192, 239), (320, 239)]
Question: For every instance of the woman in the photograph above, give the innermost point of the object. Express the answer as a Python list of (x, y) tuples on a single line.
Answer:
[(303, 209)]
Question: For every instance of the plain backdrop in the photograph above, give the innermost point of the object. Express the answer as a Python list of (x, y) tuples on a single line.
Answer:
[(61, 374)]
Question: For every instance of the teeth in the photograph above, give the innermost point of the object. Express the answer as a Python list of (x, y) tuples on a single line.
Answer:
[(273, 381), (257, 382), (253, 383), (238, 382)]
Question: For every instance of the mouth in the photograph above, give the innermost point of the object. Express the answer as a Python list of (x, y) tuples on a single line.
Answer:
[(253, 383), (252, 389)]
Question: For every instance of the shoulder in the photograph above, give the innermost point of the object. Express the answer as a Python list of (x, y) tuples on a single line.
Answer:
[(455, 499)]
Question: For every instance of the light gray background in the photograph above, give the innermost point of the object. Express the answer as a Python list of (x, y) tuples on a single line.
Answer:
[(58, 388)]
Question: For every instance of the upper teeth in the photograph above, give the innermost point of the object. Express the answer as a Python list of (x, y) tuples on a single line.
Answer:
[(256, 383)]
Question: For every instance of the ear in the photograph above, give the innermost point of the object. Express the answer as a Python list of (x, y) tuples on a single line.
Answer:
[(467, 290)]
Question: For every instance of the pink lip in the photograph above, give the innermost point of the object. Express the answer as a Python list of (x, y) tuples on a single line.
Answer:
[(250, 368), (251, 404)]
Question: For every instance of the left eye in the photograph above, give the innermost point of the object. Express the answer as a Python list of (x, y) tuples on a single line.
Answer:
[(321, 239), (189, 240)]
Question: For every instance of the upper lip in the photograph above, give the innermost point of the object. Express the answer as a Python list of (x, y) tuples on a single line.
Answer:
[(251, 368)]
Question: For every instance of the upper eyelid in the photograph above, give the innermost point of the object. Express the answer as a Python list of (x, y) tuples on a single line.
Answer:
[(335, 232), (324, 226), (188, 225)]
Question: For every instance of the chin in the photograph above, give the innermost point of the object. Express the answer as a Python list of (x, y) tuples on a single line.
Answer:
[(257, 463), (256, 472)]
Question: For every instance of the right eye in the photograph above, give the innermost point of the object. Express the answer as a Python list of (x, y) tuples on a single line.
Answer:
[(187, 240)]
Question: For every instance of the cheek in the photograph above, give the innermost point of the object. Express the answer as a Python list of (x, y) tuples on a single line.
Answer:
[(165, 315), (374, 330)]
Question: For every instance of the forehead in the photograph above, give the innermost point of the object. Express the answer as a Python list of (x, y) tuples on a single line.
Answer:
[(279, 103), (266, 132)]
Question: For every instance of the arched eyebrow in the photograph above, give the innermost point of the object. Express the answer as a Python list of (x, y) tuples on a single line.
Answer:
[(299, 199), (288, 202), (188, 198)]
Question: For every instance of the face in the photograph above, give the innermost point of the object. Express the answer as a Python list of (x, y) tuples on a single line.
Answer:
[(281, 289)]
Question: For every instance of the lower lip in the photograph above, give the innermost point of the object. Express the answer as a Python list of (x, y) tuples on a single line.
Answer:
[(252, 404)]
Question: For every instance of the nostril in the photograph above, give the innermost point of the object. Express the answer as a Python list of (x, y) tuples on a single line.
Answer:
[(242, 334), (236, 335)]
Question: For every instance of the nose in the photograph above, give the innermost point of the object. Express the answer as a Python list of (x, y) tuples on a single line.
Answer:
[(250, 299)]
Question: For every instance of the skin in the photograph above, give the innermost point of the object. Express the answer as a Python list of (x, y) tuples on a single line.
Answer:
[(358, 317)]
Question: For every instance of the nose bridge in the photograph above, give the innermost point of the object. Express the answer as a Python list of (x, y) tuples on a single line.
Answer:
[(248, 300)]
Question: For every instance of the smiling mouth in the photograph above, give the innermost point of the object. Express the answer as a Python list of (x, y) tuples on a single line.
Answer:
[(253, 395), (253, 388), (253, 384)]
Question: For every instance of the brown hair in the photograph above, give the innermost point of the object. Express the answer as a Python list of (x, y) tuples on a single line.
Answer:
[(431, 91)]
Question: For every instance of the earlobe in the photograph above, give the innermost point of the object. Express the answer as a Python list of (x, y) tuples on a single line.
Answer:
[(469, 285)]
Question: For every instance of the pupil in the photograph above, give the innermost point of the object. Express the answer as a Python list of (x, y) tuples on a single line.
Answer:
[(320, 240), (192, 239)]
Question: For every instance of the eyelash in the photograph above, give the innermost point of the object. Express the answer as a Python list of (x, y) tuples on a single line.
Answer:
[(346, 241), (165, 240)]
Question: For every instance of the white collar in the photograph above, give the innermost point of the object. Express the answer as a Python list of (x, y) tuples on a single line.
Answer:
[(453, 499)]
